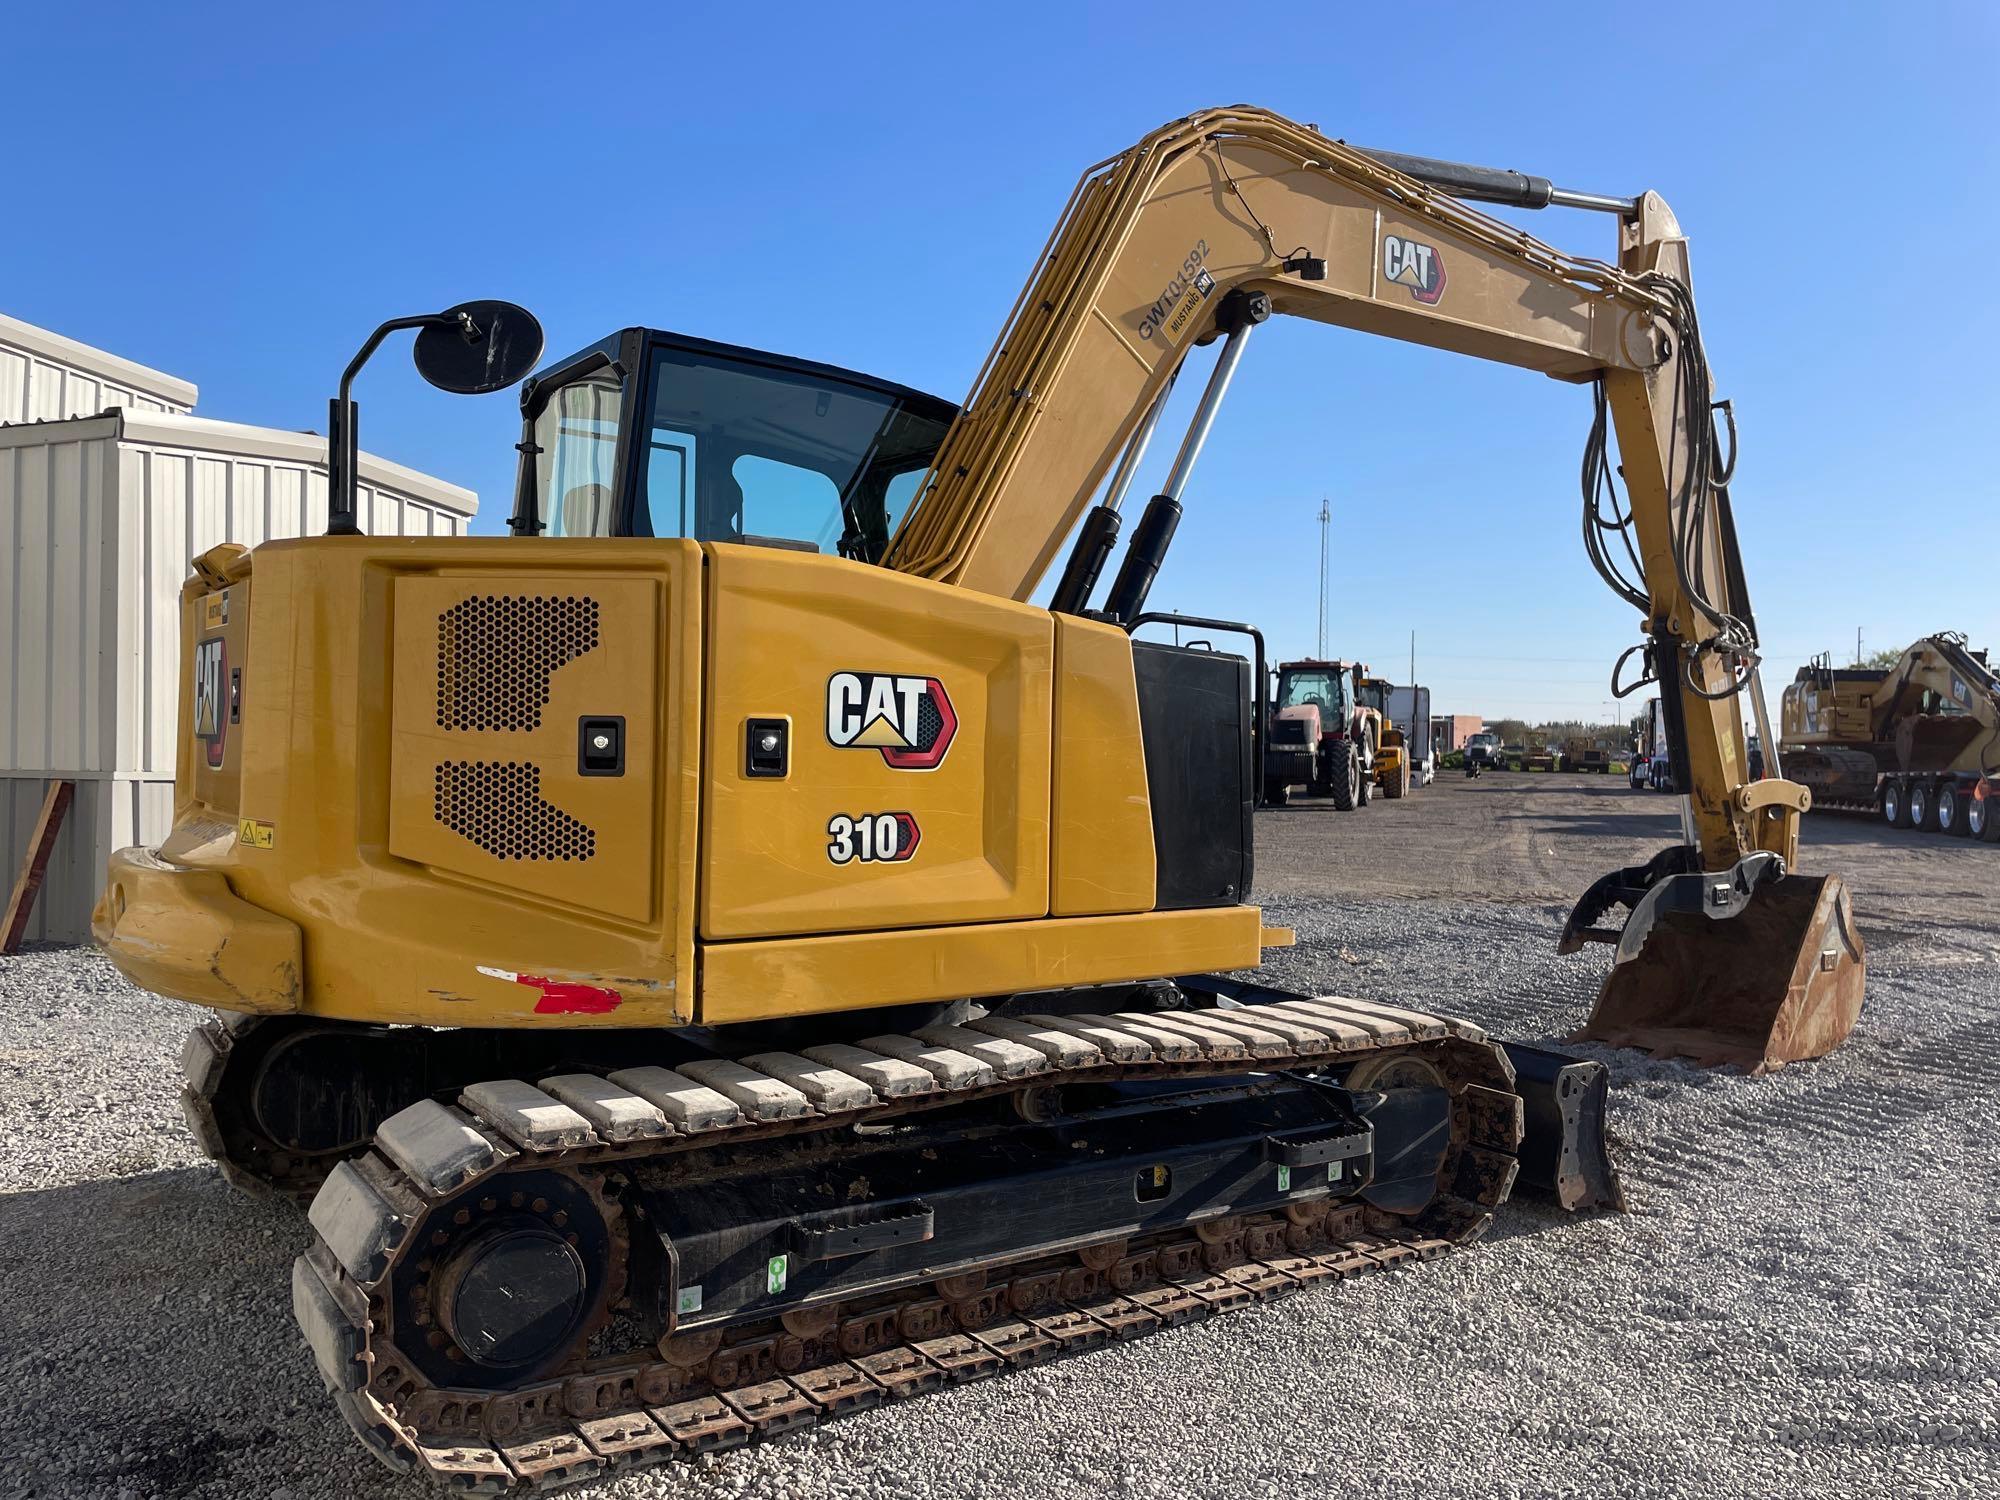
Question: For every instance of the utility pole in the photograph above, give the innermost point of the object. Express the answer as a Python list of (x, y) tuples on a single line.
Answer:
[(1325, 528), (1857, 645)]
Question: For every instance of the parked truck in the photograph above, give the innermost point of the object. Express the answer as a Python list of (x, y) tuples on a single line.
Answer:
[(1916, 743), (1322, 735), (1590, 752)]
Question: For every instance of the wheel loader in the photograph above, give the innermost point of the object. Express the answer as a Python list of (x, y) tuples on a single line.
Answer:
[(1392, 764), (1916, 743), (722, 955)]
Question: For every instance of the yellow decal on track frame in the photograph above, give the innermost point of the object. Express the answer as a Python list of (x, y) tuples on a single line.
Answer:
[(255, 833)]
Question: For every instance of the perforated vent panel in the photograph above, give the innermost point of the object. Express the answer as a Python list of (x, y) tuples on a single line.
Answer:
[(496, 653), (499, 806)]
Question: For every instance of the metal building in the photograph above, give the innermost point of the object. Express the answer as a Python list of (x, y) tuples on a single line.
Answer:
[(99, 517), (44, 377), (1451, 731)]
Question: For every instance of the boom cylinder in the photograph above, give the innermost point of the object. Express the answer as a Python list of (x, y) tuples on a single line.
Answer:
[(1094, 542), (1099, 533), (1239, 313), (1142, 561)]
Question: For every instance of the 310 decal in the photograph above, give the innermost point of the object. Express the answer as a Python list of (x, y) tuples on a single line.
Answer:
[(872, 838)]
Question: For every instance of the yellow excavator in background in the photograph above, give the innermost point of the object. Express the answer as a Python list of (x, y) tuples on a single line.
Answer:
[(1917, 742), (594, 912)]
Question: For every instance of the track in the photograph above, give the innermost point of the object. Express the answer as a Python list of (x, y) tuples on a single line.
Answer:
[(359, 1293)]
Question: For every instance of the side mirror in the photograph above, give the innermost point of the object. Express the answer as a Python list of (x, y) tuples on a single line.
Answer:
[(470, 349), (477, 347)]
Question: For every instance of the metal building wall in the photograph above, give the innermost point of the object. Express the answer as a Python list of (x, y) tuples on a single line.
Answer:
[(45, 377), (1451, 731), (99, 518)]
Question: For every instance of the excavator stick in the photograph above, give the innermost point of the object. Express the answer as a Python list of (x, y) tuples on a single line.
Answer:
[(1749, 967)]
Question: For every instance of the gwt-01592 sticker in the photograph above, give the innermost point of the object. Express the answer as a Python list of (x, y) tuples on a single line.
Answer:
[(872, 838), (1185, 291), (910, 720)]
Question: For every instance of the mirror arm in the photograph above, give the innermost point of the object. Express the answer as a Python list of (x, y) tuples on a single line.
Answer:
[(343, 447)]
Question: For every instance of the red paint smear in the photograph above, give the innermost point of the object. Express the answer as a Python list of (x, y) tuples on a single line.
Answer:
[(563, 999)]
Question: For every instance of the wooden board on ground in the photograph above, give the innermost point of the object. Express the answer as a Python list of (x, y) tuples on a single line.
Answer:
[(35, 864)]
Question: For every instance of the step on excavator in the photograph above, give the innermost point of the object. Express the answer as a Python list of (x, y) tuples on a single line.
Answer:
[(721, 956)]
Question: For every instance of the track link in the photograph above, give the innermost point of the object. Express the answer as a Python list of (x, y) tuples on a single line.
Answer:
[(713, 1388)]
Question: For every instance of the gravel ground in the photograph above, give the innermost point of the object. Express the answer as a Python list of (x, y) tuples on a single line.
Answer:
[(1804, 1299)]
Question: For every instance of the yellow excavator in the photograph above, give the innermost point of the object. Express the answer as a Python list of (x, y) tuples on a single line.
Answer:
[(1916, 742), (722, 955)]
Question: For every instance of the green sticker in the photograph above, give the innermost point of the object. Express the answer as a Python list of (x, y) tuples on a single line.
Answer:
[(690, 1300), (1284, 1179), (774, 1275)]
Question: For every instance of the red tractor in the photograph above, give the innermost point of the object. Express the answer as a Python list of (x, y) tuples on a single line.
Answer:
[(1321, 736)]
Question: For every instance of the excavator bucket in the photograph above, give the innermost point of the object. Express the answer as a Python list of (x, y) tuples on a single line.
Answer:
[(1748, 967)]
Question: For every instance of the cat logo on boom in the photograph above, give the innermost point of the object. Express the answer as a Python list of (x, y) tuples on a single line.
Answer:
[(909, 719), (1415, 265)]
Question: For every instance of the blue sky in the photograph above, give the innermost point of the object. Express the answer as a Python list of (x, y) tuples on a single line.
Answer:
[(238, 194)]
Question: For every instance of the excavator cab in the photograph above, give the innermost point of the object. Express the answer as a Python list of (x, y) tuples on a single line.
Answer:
[(655, 434)]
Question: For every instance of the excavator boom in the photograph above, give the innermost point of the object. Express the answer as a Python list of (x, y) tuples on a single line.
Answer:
[(1217, 221)]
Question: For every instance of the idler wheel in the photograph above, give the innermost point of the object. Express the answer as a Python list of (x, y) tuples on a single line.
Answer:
[(512, 1296)]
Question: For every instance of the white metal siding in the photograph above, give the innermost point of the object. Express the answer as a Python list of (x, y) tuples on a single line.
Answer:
[(45, 377), (55, 606), (96, 534)]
